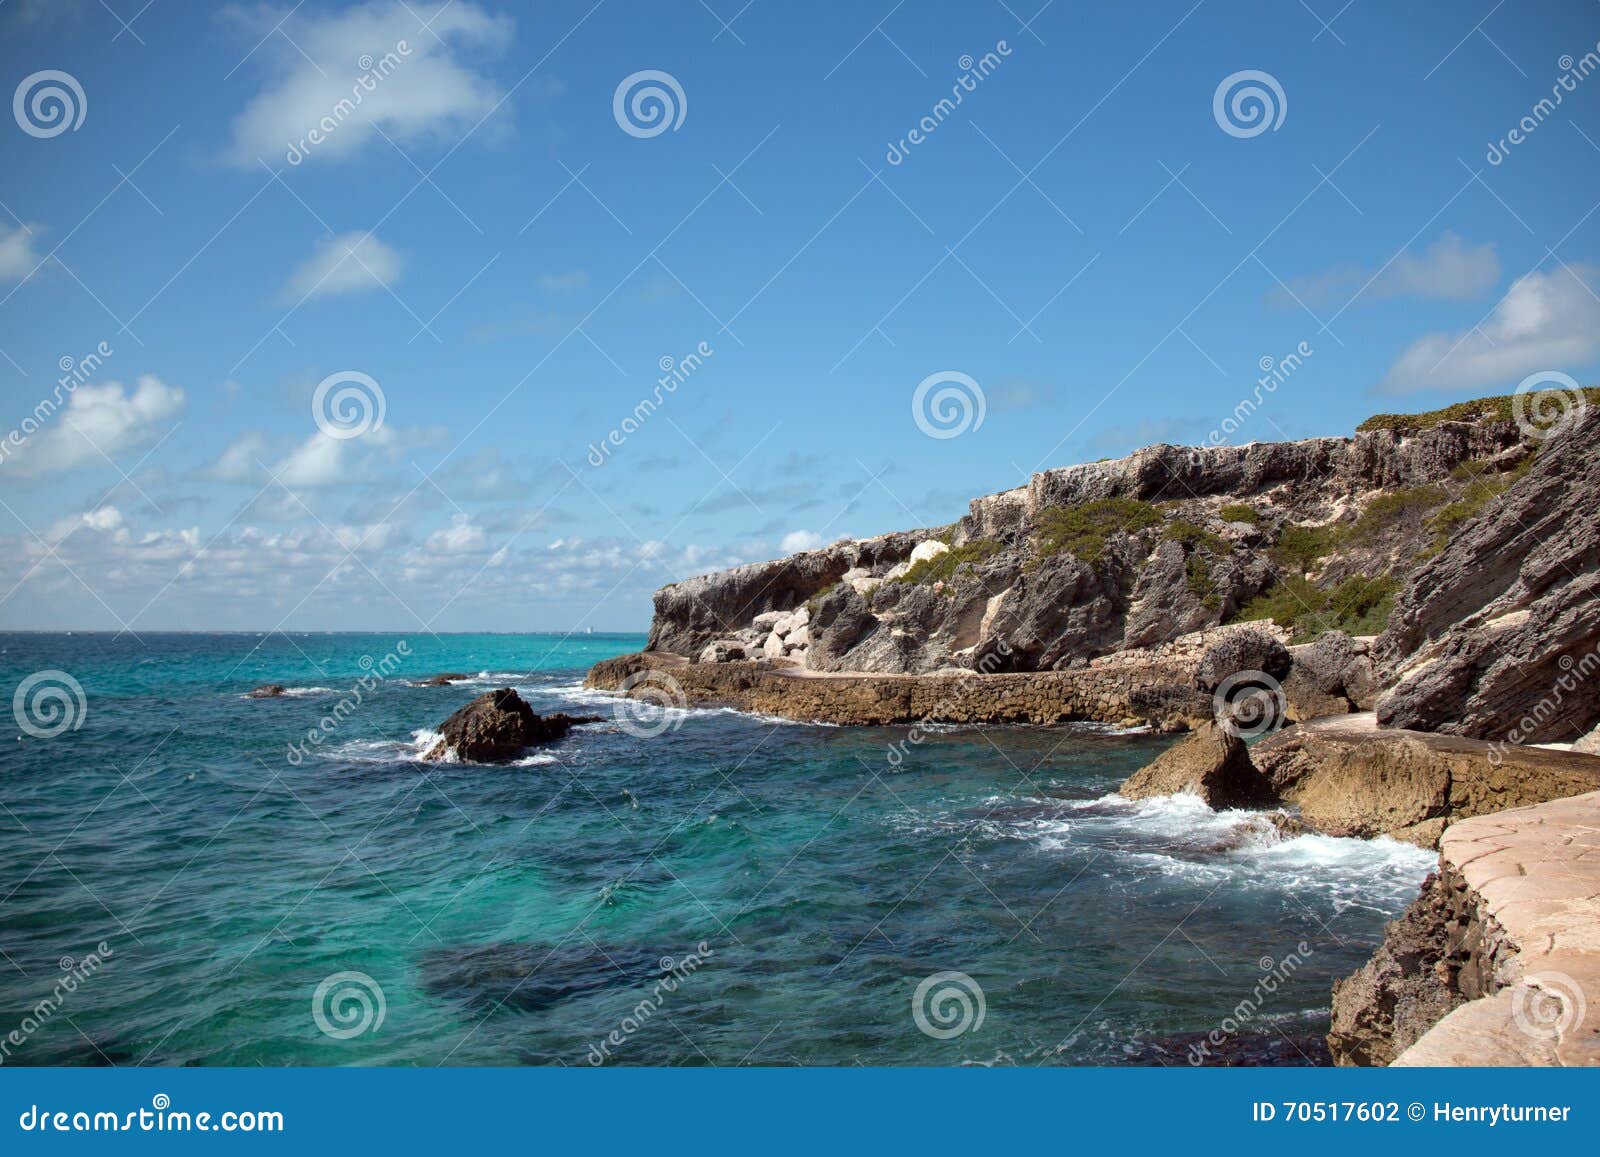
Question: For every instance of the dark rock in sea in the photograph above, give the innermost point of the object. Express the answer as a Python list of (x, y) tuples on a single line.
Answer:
[(1212, 763), (1498, 636), (441, 680), (268, 691), (497, 725), (529, 977)]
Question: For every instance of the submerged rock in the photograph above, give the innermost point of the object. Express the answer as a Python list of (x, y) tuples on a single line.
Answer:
[(268, 691), (497, 725), (442, 680)]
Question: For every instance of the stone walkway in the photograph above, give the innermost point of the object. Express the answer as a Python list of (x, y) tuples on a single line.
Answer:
[(1535, 873)]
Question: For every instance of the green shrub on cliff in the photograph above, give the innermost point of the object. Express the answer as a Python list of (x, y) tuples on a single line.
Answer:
[(942, 567), (1480, 485), (1197, 576), (1239, 512), (1083, 530), (1302, 547), (1395, 509), (1192, 536), (1357, 606), (1498, 408)]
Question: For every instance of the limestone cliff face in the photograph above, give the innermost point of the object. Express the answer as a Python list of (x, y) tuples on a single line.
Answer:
[(1498, 636), (1093, 559)]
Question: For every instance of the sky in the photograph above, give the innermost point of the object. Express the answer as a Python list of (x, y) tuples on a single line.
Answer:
[(490, 316)]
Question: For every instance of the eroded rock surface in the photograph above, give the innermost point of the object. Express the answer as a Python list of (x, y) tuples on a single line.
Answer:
[(1211, 763), (1498, 637), (496, 725)]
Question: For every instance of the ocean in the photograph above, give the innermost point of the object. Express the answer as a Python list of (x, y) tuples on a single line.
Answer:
[(186, 879)]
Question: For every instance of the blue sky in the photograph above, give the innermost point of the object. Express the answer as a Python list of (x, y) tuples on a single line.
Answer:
[(508, 266)]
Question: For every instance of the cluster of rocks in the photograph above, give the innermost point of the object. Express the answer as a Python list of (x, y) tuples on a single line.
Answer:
[(771, 635)]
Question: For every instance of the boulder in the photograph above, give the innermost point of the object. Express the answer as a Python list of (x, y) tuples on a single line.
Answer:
[(1590, 743), (1498, 635), (1331, 676), (267, 691), (773, 647), (496, 725), (723, 651), (442, 680), (1211, 763), (766, 620), (1351, 778), (1251, 649)]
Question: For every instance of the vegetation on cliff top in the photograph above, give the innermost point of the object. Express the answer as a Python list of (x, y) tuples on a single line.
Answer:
[(1357, 606), (1498, 408)]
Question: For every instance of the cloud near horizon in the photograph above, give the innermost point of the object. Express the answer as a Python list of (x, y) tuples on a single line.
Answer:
[(96, 423), (1546, 321), (1448, 270)]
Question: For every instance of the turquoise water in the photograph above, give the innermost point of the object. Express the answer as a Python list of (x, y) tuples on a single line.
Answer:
[(519, 914)]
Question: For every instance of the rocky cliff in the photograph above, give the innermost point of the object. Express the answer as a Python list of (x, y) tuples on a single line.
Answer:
[(1115, 555)]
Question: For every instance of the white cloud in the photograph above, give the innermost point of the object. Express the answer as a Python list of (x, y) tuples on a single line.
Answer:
[(349, 263), (318, 461), (17, 255), (460, 537), (1546, 321), (97, 422), (1448, 270), (798, 540), (238, 462), (417, 87)]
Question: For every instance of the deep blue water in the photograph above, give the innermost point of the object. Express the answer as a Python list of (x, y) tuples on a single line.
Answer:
[(517, 914)]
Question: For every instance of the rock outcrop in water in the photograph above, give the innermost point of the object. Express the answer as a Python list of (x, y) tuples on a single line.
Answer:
[(496, 725), (1498, 636)]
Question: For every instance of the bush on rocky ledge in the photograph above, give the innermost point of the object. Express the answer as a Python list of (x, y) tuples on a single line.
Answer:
[(1083, 530)]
